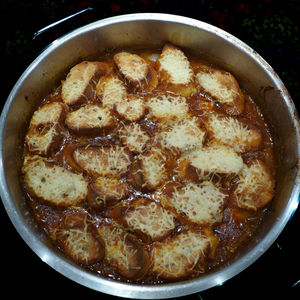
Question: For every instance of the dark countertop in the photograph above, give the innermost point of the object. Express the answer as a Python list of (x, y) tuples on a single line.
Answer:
[(272, 28)]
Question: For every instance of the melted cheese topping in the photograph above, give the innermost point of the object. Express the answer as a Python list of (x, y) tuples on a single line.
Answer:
[(177, 257), (201, 204), (151, 219)]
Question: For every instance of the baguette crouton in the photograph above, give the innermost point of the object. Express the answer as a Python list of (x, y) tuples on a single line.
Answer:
[(211, 160), (90, 119), (175, 70), (53, 184), (102, 160), (77, 237), (168, 106), (176, 257), (201, 204), (138, 74), (134, 137), (255, 188), (80, 83), (146, 218), (183, 135), (231, 132), (124, 251), (45, 132), (223, 88), (111, 90), (106, 191)]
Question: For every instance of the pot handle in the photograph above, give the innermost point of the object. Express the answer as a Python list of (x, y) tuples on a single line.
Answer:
[(57, 23)]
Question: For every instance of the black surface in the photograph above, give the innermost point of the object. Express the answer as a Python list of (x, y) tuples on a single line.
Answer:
[(270, 27)]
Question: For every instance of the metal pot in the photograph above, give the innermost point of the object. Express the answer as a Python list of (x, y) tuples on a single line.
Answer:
[(150, 31)]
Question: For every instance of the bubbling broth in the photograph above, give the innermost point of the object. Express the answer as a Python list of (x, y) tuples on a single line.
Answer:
[(149, 167)]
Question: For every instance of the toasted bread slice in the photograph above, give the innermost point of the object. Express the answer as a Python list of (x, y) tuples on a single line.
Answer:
[(106, 191), (102, 160), (80, 83), (77, 237), (174, 68), (90, 119), (176, 257), (149, 171), (255, 188), (146, 218), (167, 106), (46, 130), (111, 90), (223, 88), (231, 132), (131, 108), (201, 204), (134, 137), (214, 160), (124, 252), (183, 135), (53, 184), (138, 74)]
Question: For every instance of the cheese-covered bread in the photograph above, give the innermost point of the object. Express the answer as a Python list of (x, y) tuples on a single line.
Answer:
[(111, 90), (137, 72), (176, 257), (201, 204), (80, 83), (148, 171), (106, 191), (97, 161), (231, 132), (77, 237), (214, 160), (131, 108), (255, 187), (123, 251), (134, 137), (90, 119), (183, 135), (167, 106), (223, 88), (52, 183), (146, 218), (175, 70), (45, 132)]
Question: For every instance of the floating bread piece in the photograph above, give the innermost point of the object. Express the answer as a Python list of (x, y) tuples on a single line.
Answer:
[(183, 135), (90, 119), (131, 108), (78, 239), (175, 70), (80, 82), (167, 106), (137, 73), (106, 191), (255, 188), (124, 252), (146, 217), (201, 204), (176, 257), (52, 183), (148, 171), (223, 88), (211, 160), (233, 133), (134, 137), (45, 130), (111, 90), (102, 160)]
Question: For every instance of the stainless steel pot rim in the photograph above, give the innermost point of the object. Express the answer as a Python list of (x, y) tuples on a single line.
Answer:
[(116, 288)]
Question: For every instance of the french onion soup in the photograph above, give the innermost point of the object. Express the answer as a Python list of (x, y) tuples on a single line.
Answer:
[(149, 166)]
